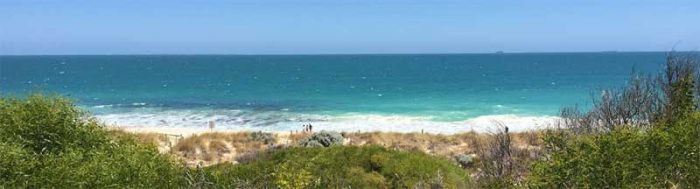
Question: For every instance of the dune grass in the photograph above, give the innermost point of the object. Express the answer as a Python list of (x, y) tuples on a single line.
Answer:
[(216, 147)]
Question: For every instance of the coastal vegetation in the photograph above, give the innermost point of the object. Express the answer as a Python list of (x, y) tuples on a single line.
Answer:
[(645, 134), (340, 167), (47, 142)]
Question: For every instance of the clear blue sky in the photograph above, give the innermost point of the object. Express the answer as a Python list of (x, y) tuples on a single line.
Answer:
[(339, 27)]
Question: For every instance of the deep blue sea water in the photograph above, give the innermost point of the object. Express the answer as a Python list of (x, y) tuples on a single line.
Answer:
[(440, 93)]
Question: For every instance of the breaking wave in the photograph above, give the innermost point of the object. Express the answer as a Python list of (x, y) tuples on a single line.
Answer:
[(284, 121)]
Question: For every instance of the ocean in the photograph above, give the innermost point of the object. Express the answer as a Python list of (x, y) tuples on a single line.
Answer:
[(440, 93)]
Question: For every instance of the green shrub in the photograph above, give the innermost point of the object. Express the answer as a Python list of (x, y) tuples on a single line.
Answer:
[(15, 165), (46, 124), (464, 160), (124, 165), (322, 139), (663, 157), (341, 167), (266, 138), (46, 142), (613, 160)]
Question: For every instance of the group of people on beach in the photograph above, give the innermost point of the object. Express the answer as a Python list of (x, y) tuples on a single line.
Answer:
[(308, 128)]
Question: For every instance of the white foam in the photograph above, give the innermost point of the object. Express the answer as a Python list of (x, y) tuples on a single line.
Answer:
[(138, 104), (281, 121), (103, 106), (119, 105)]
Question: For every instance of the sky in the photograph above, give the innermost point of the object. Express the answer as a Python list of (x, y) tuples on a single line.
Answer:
[(345, 27)]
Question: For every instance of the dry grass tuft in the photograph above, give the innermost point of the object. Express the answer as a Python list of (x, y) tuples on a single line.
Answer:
[(218, 147), (437, 144), (163, 142)]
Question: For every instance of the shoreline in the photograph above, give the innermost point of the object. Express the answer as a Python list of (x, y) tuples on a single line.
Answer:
[(386, 124)]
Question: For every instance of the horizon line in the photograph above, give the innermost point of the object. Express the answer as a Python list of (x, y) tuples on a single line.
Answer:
[(340, 54)]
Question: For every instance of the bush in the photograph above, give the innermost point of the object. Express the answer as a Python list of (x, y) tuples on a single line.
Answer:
[(322, 139), (623, 158), (44, 125), (499, 164), (464, 160), (123, 163), (47, 142), (340, 167), (15, 166), (266, 138)]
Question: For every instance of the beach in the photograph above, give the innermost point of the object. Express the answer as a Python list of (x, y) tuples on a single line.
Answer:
[(484, 124)]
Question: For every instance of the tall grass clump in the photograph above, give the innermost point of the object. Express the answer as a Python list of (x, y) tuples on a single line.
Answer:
[(500, 162), (46, 142), (646, 135)]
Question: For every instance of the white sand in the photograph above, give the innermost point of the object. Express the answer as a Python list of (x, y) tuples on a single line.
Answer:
[(167, 130), (185, 131)]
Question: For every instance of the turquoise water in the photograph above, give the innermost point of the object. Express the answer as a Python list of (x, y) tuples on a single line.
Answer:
[(441, 93)]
